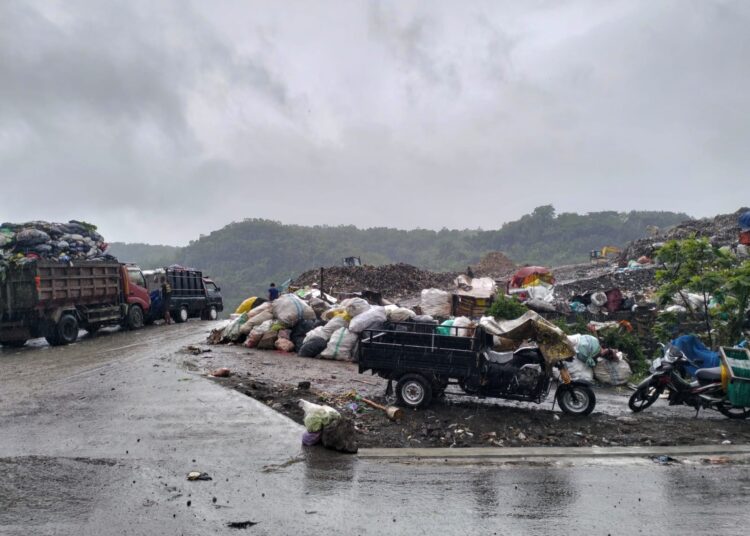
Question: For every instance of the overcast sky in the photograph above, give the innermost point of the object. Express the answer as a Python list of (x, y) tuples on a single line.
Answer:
[(162, 120)]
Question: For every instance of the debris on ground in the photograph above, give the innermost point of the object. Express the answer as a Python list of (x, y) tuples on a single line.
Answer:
[(198, 475), (241, 524), (221, 373), (196, 350)]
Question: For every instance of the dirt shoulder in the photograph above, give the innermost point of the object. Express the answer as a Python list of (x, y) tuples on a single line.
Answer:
[(274, 378)]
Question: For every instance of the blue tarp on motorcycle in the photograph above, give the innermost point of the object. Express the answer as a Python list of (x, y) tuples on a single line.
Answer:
[(693, 348)]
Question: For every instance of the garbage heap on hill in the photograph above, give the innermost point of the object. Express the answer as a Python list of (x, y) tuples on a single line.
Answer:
[(721, 230), (21, 243), (394, 281)]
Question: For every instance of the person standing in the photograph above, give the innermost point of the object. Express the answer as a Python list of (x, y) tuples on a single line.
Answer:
[(273, 292), (166, 298)]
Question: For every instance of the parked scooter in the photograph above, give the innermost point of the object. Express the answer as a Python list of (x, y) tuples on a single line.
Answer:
[(668, 373)]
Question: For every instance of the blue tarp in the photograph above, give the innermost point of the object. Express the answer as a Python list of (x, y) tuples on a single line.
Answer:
[(156, 308), (693, 348), (745, 221)]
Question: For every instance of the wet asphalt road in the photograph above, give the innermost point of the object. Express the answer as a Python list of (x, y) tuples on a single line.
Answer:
[(97, 438)]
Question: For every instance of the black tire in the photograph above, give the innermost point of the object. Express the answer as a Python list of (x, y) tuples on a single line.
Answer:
[(733, 412), (644, 397), (576, 399), (413, 391), (135, 317), (13, 344), (182, 315), (66, 331), (210, 314)]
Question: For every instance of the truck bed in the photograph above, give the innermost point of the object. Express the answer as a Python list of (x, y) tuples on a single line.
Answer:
[(419, 348), (49, 284)]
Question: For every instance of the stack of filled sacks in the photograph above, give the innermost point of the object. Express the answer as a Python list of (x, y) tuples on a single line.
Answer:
[(313, 329), (21, 243), (337, 339), (54, 241)]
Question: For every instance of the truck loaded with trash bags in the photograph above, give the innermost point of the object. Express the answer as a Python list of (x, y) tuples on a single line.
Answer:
[(56, 278)]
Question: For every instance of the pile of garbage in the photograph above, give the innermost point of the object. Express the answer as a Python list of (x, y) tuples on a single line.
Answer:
[(496, 265), (325, 425), (721, 230), (21, 243), (393, 281)]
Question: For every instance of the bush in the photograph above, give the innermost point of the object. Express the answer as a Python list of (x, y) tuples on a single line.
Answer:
[(506, 308)]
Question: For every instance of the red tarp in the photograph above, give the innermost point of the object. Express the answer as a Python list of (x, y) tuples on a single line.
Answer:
[(528, 275)]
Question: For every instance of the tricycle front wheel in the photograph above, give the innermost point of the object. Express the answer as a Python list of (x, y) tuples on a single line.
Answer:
[(413, 391), (576, 398)]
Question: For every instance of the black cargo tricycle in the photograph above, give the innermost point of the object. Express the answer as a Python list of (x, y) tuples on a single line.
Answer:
[(423, 361)]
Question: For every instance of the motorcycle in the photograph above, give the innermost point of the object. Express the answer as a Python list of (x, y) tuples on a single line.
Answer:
[(668, 373)]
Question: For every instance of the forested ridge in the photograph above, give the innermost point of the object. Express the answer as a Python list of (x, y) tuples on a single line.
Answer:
[(244, 257)]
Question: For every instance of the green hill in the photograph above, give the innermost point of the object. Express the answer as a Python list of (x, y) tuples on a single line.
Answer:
[(244, 257)]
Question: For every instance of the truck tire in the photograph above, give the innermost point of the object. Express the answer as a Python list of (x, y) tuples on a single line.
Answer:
[(13, 344), (413, 391), (135, 317), (182, 315), (65, 332), (210, 314)]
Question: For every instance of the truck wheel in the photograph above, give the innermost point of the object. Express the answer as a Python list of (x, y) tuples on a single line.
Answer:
[(413, 391), (210, 314), (135, 317), (13, 344), (66, 331), (182, 315)]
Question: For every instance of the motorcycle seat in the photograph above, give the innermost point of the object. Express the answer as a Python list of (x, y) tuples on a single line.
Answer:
[(708, 374)]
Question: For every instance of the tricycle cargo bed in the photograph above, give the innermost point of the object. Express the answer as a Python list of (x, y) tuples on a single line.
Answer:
[(415, 347)]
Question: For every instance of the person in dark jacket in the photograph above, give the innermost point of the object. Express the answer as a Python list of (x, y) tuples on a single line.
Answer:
[(166, 298), (273, 292)]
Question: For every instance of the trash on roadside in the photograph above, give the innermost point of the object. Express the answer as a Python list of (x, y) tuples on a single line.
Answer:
[(221, 373), (241, 524), (317, 416), (311, 438), (198, 475), (664, 460)]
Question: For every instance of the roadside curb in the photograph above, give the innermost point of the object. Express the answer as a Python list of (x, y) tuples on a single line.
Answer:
[(550, 452)]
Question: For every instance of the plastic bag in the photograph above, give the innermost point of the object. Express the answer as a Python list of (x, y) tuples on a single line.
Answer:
[(319, 306), (232, 331), (579, 371), (268, 340), (325, 332), (256, 320), (599, 299), (445, 328), (355, 306), (394, 313), (312, 347), (341, 345), (246, 305), (436, 302), (316, 416), (465, 325), (284, 345), (289, 309), (374, 316), (586, 347), (612, 371)]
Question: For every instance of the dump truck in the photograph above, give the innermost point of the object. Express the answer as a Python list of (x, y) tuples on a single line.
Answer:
[(54, 300)]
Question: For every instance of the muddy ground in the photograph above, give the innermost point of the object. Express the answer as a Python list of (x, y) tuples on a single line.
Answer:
[(274, 378)]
